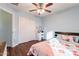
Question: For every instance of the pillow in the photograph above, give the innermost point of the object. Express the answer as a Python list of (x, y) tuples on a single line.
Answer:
[(65, 37), (69, 38), (50, 35), (59, 36), (73, 38), (77, 39)]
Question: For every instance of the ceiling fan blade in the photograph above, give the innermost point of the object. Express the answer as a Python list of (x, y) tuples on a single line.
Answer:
[(48, 11), (49, 4), (33, 10), (35, 4)]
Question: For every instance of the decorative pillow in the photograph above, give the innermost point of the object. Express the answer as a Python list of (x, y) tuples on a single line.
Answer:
[(69, 38), (62, 38), (77, 39), (74, 39), (59, 36), (65, 37)]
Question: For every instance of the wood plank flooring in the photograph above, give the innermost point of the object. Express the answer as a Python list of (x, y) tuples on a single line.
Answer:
[(21, 49)]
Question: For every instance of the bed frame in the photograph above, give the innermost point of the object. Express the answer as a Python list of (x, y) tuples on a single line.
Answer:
[(67, 33)]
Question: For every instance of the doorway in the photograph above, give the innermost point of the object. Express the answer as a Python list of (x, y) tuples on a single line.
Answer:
[(6, 27)]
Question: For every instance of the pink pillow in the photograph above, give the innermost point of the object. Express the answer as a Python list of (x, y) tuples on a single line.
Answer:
[(64, 37), (68, 37)]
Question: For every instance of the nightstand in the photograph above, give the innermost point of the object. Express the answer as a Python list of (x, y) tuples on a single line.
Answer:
[(43, 39)]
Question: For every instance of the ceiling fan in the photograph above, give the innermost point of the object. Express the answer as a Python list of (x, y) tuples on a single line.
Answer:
[(40, 8)]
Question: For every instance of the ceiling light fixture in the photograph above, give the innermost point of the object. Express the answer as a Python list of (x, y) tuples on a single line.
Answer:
[(40, 11)]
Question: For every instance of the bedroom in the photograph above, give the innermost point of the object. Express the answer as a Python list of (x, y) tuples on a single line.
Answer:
[(25, 25)]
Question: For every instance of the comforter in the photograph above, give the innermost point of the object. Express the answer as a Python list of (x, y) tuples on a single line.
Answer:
[(51, 47)]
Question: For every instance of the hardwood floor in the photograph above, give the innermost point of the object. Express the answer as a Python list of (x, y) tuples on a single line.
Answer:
[(21, 49)]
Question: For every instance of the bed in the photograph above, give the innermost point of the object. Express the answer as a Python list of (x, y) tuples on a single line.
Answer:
[(64, 44)]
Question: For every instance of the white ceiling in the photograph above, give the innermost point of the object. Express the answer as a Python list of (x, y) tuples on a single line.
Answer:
[(56, 7)]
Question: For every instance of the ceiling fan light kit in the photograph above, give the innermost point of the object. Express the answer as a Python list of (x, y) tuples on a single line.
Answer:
[(41, 11)]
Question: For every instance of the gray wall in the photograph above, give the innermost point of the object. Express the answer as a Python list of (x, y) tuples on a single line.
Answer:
[(10, 9), (28, 27), (6, 27), (65, 21)]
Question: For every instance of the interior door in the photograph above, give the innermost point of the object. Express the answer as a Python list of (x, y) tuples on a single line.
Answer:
[(6, 27)]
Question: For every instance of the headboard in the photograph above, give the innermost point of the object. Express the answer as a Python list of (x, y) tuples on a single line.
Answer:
[(67, 33)]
